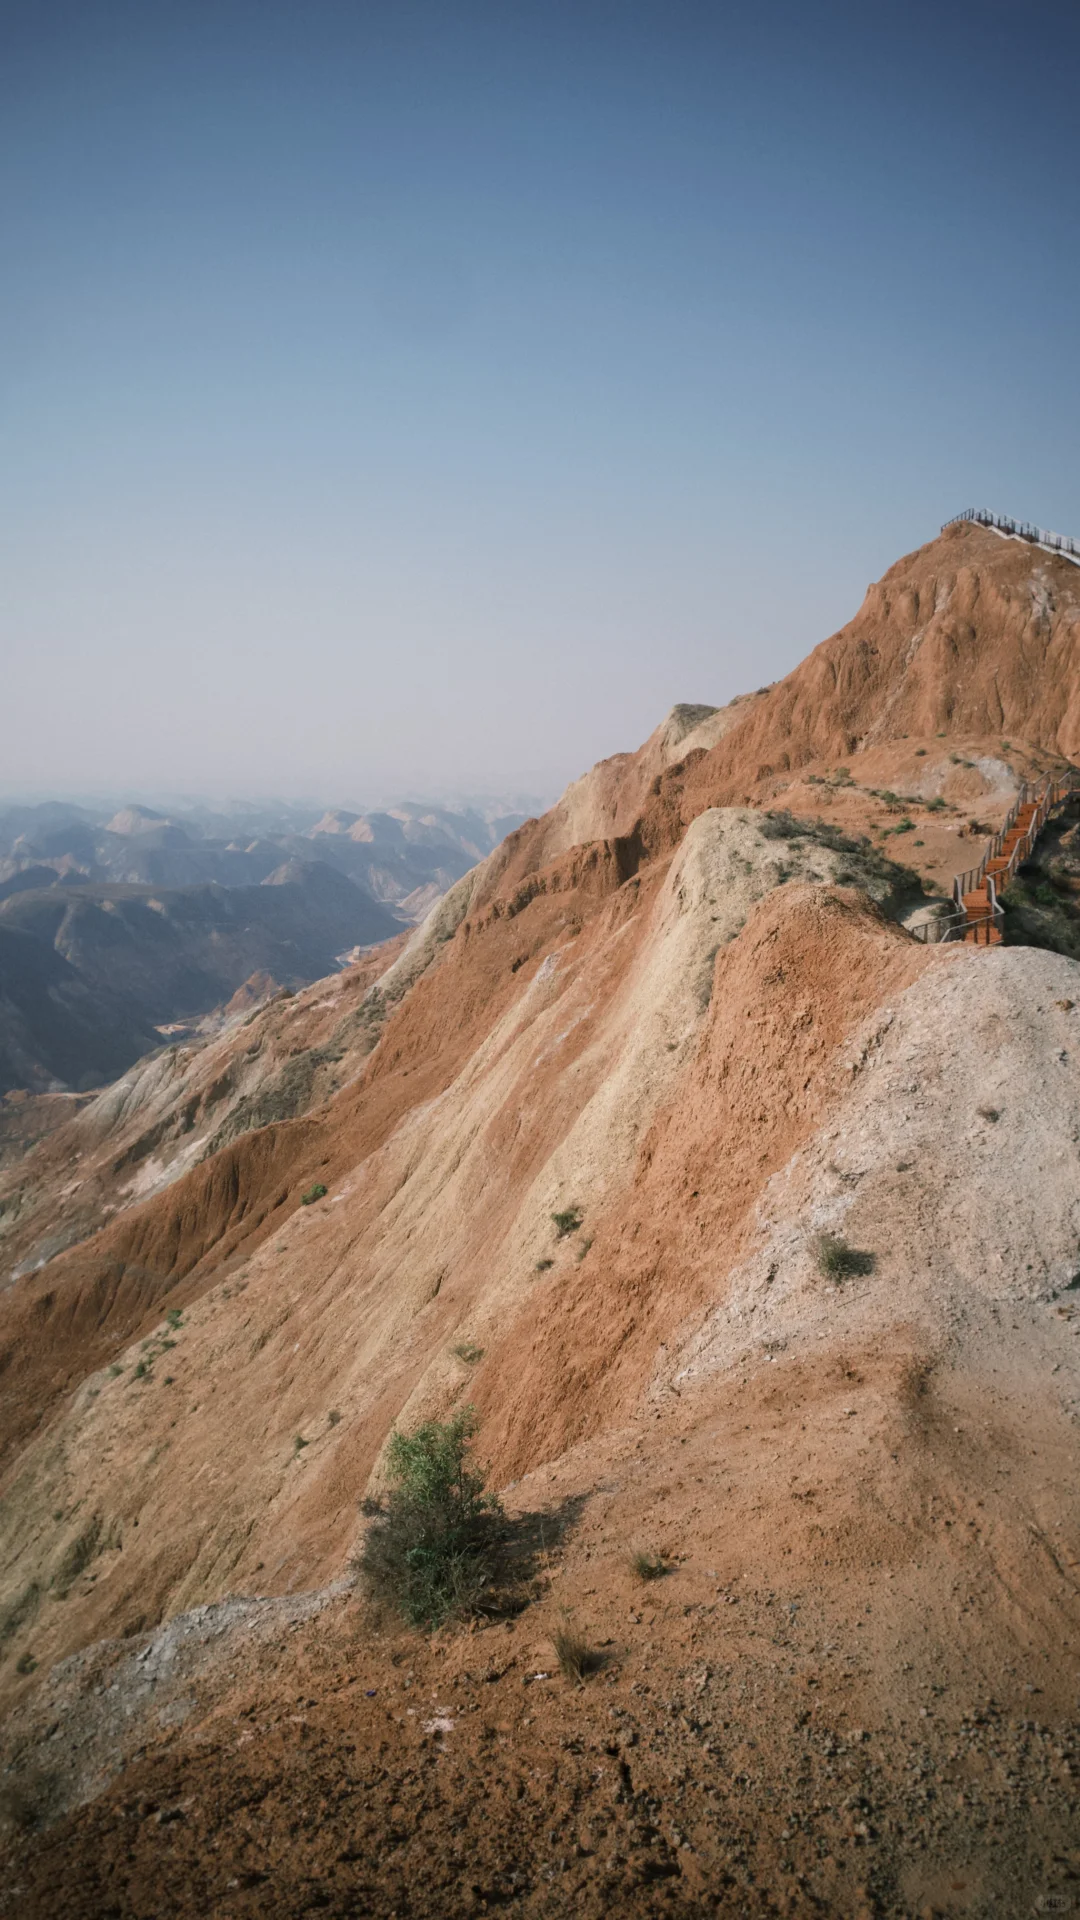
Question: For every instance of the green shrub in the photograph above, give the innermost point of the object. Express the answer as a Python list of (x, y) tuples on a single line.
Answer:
[(543, 1265), (468, 1353), (567, 1222), (837, 1261), (313, 1193), (430, 1551), (904, 826), (174, 1318), (25, 1663), (936, 805)]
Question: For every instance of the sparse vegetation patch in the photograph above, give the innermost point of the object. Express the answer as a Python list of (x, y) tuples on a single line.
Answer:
[(568, 1221), (836, 1260), (467, 1352), (575, 1656), (647, 1566), (288, 1095), (20, 1612), (430, 1552), (84, 1548)]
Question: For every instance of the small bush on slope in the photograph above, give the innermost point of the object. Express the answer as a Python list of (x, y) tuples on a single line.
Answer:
[(574, 1654), (837, 1261), (430, 1552), (647, 1566), (567, 1222)]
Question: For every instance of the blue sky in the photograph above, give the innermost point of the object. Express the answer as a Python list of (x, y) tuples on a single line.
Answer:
[(417, 397)]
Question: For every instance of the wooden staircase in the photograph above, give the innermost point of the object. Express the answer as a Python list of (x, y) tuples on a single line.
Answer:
[(978, 916), (980, 907)]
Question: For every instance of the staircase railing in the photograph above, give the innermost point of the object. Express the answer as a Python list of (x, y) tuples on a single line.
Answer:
[(962, 924), (1020, 530)]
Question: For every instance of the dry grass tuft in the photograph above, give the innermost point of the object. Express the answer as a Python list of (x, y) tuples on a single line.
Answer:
[(647, 1566), (575, 1656)]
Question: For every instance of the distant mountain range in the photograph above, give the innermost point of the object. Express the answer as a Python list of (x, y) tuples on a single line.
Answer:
[(391, 854), (114, 928)]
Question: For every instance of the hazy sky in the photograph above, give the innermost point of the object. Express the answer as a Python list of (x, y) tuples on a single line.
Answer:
[(413, 395)]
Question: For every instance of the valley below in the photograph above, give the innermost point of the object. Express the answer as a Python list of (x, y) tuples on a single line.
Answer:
[(115, 935)]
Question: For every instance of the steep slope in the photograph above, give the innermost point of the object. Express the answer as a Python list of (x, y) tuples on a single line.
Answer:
[(56, 1028), (438, 1214), (956, 679), (608, 800), (971, 636), (178, 1105), (814, 1455), (171, 955), (697, 1029)]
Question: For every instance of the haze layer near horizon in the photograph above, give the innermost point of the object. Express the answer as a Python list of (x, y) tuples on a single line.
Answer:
[(418, 395)]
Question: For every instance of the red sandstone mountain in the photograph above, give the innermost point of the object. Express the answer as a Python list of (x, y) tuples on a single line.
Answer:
[(699, 1023)]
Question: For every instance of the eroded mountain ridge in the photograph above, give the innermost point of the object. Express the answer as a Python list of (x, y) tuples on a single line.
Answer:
[(684, 1008)]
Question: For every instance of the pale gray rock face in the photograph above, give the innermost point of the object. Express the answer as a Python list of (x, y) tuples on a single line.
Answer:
[(953, 1159)]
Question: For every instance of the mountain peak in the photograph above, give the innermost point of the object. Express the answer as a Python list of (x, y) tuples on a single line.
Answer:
[(136, 819)]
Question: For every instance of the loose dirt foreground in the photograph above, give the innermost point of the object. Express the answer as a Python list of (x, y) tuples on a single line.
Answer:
[(854, 1693)]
